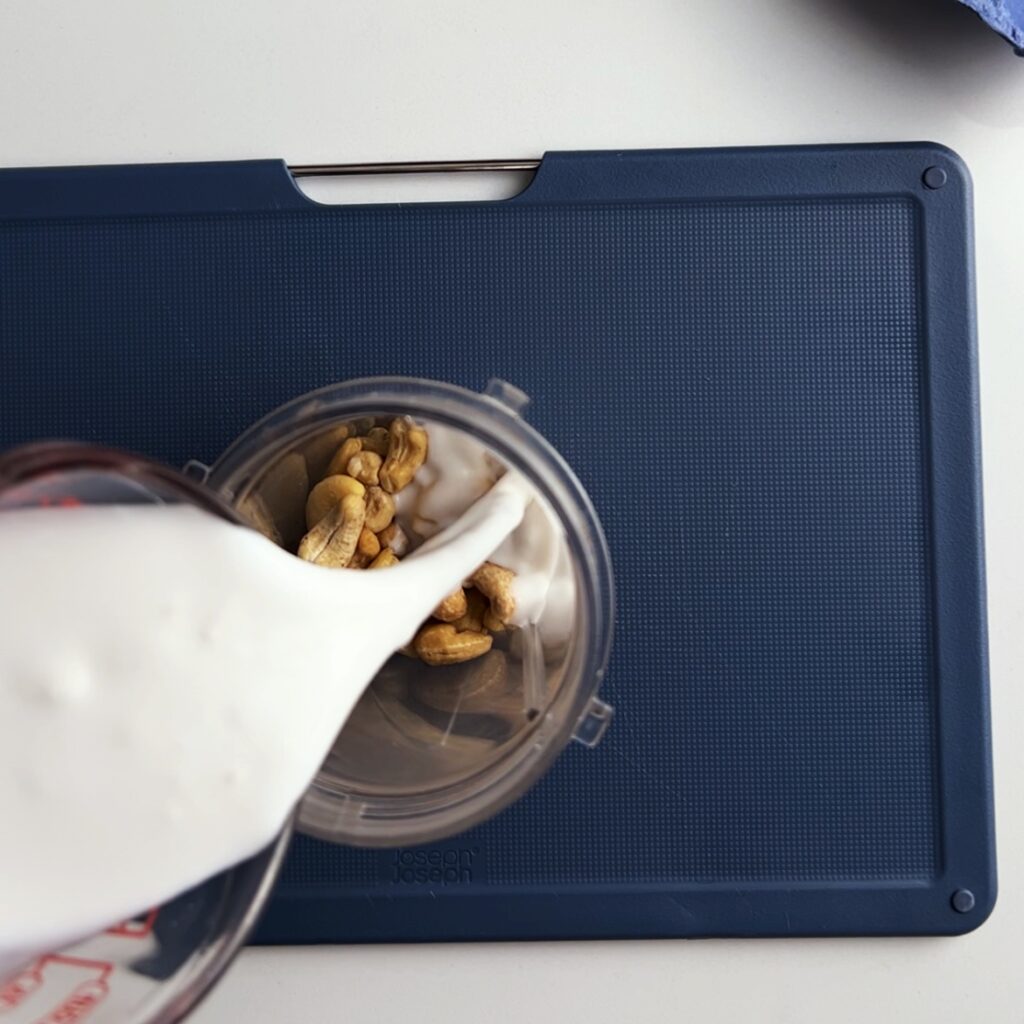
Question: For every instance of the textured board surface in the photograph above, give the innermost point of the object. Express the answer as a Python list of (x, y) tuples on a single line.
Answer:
[(761, 365)]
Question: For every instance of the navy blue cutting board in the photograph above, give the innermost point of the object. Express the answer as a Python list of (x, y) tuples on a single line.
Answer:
[(762, 365)]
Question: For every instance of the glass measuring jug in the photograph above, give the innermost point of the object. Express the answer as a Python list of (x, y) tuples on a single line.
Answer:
[(154, 968)]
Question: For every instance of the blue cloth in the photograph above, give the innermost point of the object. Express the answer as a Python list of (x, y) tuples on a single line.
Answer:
[(1005, 16)]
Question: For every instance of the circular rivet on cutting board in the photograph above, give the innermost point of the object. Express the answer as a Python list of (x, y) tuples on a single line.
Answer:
[(963, 901), (934, 177)]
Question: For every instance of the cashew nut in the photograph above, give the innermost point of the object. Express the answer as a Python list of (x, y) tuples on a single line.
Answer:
[(333, 540), (380, 510), (440, 643), (406, 453), (338, 464), (453, 607), (384, 560), (365, 467), (495, 583), (327, 494)]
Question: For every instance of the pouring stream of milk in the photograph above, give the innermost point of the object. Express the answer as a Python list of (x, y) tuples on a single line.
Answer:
[(169, 685)]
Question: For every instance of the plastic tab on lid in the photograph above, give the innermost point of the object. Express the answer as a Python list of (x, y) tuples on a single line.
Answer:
[(594, 723)]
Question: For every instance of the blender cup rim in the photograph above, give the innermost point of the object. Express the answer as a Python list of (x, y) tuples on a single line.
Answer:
[(493, 418)]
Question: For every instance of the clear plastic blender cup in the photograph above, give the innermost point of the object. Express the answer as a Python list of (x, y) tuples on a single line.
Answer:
[(431, 751), (154, 968)]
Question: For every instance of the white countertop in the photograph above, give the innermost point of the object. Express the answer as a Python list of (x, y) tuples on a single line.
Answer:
[(324, 80)]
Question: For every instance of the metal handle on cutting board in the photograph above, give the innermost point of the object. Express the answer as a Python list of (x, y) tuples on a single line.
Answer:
[(411, 167)]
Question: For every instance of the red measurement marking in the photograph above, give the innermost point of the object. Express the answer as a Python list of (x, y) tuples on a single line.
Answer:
[(65, 501), (22, 495), (134, 928), (20, 987), (102, 967), (81, 1002), (75, 1006)]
